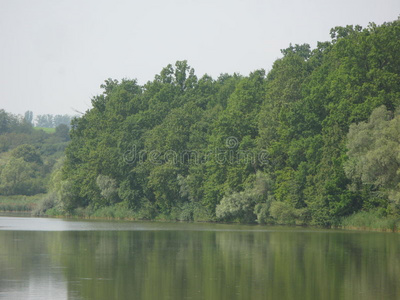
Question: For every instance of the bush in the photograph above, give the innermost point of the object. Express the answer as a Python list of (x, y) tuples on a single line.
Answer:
[(283, 213), (187, 211), (192, 211), (238, 206), (147, 210), (47, 202), (108, 188), (19, 177), (261, 210), (118, 211)]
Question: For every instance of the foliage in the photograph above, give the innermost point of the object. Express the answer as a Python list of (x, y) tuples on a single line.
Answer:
[(62, 132), (370, 220), (20, 203), (108, 188), (27, 155), (236, 206), (19, 177), (28, 117), (46, 203), (179, 143), (374, 155), (283, 212), (49, 120)]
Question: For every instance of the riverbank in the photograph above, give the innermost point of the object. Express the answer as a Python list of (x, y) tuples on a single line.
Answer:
[(362, 221), (19, 203), (371, 221)]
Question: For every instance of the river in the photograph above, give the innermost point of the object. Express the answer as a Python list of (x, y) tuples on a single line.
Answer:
[(43, 258)]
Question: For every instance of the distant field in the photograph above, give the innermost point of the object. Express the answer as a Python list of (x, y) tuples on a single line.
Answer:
[(48, 130), (19, 202)]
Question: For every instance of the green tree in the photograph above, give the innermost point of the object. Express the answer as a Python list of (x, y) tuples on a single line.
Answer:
[(62, 131), (28, 117), (28, 153), (374, 154), (19, 177)]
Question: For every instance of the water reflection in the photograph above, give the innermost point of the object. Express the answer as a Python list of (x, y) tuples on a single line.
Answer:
[(26, 269), (189, 264)]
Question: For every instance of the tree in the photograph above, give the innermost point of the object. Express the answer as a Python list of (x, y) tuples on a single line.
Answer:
[(374, 154), (62, 131), (62, 119), (46, 121), (19, 177), (28, 117), (108, 188), (28, 153), (297, 116)]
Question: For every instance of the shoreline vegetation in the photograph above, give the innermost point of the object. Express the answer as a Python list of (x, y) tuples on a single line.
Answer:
[(20, 203), (314, 141), (361, 221)]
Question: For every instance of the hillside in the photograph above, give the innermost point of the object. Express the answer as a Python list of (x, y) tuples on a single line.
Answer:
[(27, 157)]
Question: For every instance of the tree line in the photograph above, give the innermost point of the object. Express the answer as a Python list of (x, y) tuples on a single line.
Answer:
[(47, 120), (326, 121)]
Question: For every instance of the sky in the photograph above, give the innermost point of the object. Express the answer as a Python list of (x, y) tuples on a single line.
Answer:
[(54, 55)]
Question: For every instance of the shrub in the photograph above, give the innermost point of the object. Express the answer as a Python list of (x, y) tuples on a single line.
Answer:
[(238, 206), (283, 212), (108, 188), (261, 210), (47, 202)]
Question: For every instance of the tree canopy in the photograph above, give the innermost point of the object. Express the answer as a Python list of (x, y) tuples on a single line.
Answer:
[(194, 148)]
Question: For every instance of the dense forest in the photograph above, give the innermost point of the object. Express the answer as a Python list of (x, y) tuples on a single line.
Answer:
[(314, 140)]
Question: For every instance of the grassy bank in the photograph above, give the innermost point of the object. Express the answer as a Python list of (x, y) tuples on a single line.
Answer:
[(371, 221), (45, 129), (19, 203)]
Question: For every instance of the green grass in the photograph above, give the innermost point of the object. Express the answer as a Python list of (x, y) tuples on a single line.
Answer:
[(48, 130), (371, 221), (19, 202)]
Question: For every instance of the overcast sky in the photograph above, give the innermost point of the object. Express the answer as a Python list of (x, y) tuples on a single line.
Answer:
[(55, 54)]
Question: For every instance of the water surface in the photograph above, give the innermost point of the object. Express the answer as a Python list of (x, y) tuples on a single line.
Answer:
[(69, 259)]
